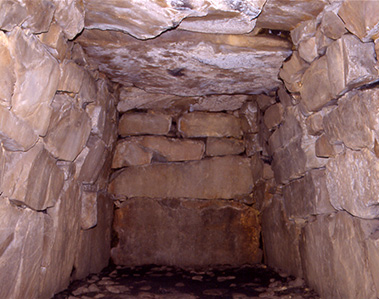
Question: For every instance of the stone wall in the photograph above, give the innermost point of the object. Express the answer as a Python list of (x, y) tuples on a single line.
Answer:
[(183, 184), (322, 222), (57, 127)]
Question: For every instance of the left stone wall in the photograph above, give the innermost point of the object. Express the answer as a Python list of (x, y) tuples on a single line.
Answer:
[(57, 128)]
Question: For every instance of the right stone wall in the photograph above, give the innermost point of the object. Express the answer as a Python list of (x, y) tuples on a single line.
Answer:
[(321, 223)]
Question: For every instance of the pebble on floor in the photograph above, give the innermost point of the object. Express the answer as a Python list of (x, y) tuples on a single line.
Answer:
[(249, 281)]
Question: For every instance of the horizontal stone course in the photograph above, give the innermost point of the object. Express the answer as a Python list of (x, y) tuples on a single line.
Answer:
[(144, 123), (219, 177)]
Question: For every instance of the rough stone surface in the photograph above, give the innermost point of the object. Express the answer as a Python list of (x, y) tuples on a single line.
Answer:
[(69, 14), (314, 123), (71, 77), (249, 115), (292, 72), (350, 121), (21, 238), (31, 178), (287, 14), (349, 185), (88, 217), (252, 144), (218, 232), (69, 129), (15, 134), (226, 177), (350, 63), (361, 18), (37, 78), (281, 239), (144, 123), (324, 149), (331, 247), (129, 152), (7, 79), (94, 245), (224, 146), (304, 31), (60, 241), (202, 124), (56, 42), (194, 64), (273, 116), (307, 196), (316, 89), (150, 18), (308, 49), (332, 26), (216, 103)]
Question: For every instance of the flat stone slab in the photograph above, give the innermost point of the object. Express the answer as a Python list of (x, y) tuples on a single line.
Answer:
[(219, 177), (186, 233)]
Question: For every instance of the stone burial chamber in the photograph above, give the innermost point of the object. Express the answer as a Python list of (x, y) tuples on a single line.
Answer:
[(189, 134)]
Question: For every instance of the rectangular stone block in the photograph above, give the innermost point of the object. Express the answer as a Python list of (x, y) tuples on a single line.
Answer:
[(334, 257), (224, 146), (307, 196), (281, 238), (220, 177), (202, 124), (31, 178), (144, 123), (192, 233)]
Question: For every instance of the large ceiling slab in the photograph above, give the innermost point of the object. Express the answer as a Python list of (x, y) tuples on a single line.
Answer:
[(189, 64)]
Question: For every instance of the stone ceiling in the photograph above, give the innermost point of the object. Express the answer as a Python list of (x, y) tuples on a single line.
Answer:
[(193, 47)]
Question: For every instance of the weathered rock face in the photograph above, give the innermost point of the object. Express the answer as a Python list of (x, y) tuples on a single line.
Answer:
[(193, 63), (191, 233), (226, 177), (138, 124)]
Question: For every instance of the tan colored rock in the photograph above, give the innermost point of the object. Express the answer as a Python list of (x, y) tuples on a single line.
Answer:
[(88, 217), (217, 103), (61, 236), (351, 63), (31, 178), (292, 72), (252, 144), (360, 18), (7, 78), (273, 116), (257, 167), (37, 77), (281, 239), (287, 14), (304, 31), (224, 146), (308, 49), (15, 134), (88, 90), (268, 174), (34, 15), (69, 14), (55, 40), (220, 177), (370, 229), (195, 64), (21, 238), (69, 129), (316, 90), (202, 124), (71, 77), (144, 123), (352, 183), (322, 41), (233, 228), (307, 196), (284, 97), (332, 26), (150, 18), (173, 149), (130, 152), (265, 101), (91, 161), (334, 257), (314, 123), (249, 115), (93, 251), (324, 149), (339, 125)]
